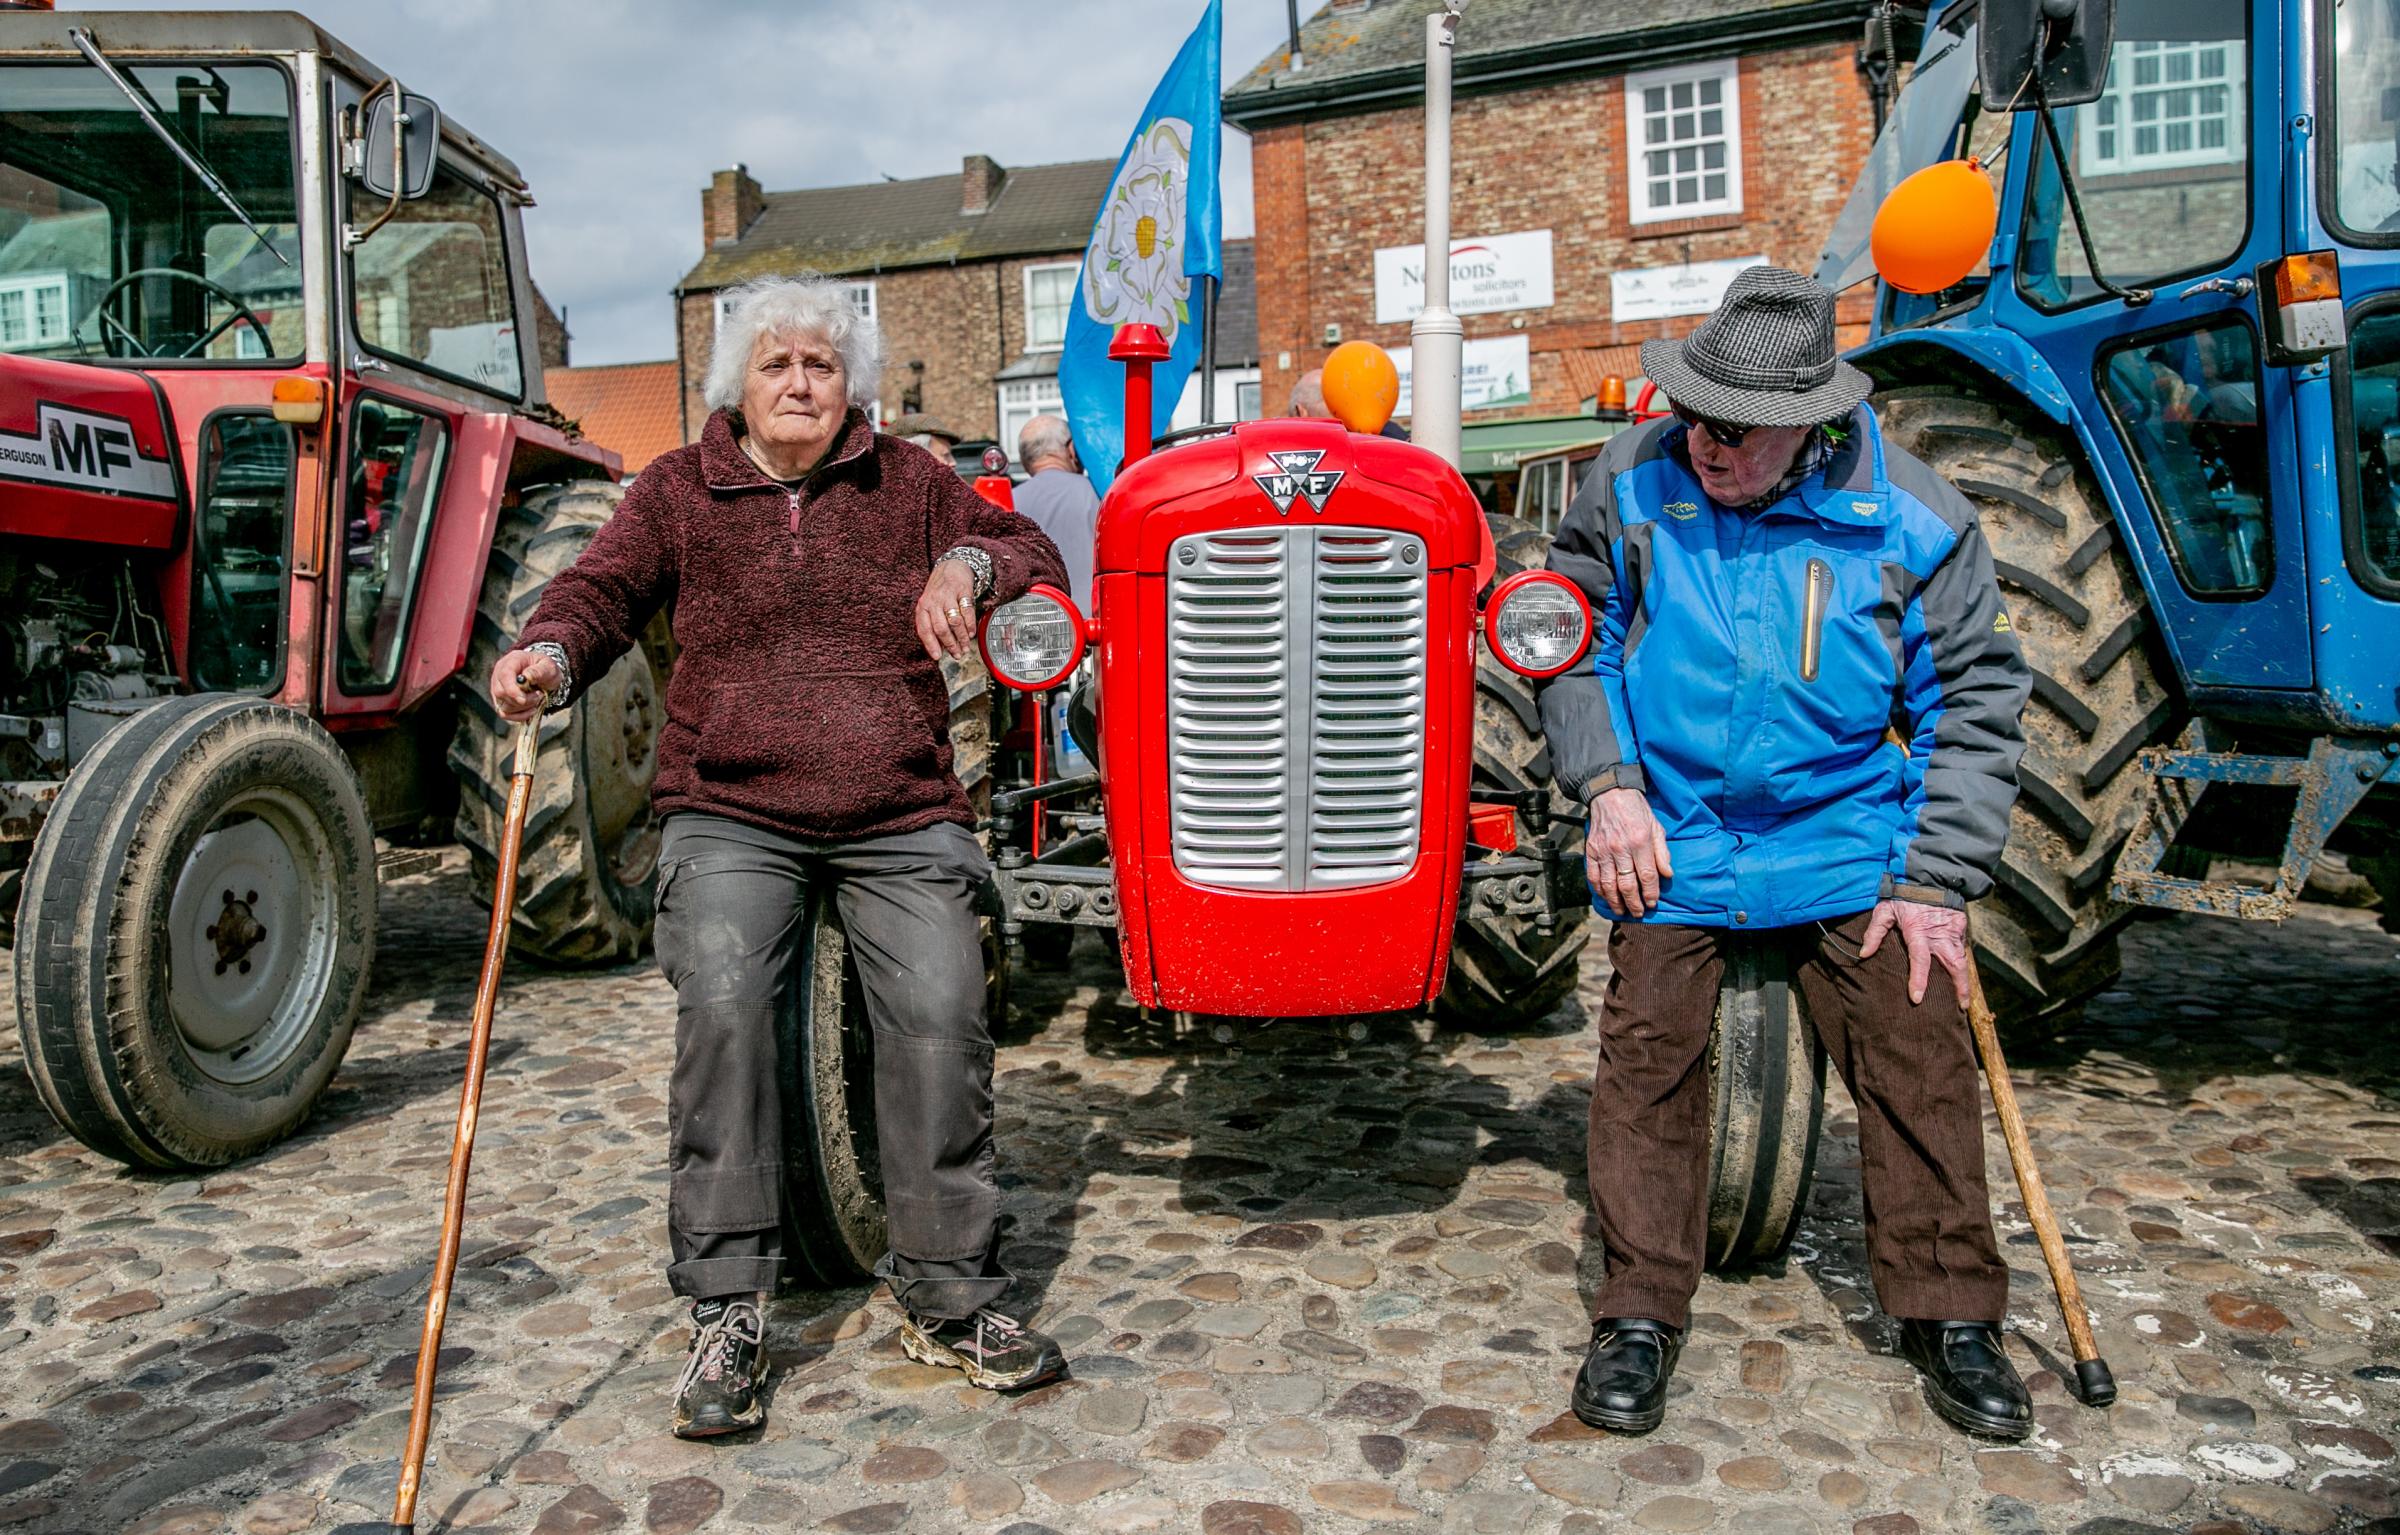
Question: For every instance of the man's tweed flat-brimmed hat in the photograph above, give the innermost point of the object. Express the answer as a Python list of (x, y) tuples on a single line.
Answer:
[(1765, 358)]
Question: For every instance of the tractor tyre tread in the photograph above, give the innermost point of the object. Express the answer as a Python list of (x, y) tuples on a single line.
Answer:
[(2047, 935)]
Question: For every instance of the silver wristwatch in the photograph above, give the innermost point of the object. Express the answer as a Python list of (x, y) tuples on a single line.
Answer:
[(566, 674), (975, 560)]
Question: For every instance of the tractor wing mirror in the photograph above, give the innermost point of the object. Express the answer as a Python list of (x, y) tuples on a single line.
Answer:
[(412, 123), (2068, 40)]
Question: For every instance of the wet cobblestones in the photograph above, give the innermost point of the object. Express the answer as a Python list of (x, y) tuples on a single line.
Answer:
[(1315, 1277)]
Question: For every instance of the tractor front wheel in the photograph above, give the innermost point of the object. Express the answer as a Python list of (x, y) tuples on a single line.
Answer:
[(197, 930)]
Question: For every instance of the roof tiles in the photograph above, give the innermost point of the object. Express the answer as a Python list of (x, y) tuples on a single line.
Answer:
[(630, 408)]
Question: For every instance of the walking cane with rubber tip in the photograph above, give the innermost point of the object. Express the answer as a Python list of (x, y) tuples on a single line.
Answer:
[(462, 1143), (2093, 1381)]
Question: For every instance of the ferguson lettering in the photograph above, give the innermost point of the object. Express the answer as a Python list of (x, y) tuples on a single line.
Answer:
[(84, 450)]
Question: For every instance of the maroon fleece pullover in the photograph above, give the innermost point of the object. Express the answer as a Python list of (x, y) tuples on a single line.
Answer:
[(802, 699)]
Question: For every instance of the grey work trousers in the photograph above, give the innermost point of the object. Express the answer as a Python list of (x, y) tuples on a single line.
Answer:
[(732, 916)]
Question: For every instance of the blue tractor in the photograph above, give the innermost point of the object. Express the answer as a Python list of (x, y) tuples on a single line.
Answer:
[(2172, 388)]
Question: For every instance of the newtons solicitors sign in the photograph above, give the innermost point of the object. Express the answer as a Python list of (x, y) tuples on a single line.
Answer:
[(1487, 273)]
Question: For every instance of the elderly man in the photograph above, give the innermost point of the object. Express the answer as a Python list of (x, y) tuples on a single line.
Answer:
[(816, 571), (1059, 499), (1798, 727)]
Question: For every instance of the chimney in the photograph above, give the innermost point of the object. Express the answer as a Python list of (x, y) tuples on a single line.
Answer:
[(979, 183), (729, 205)]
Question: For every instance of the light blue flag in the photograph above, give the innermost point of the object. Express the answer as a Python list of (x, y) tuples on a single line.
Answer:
[(1156, 236)]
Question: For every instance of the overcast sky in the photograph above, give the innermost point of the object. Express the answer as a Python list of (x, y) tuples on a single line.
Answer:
[(618, 110)]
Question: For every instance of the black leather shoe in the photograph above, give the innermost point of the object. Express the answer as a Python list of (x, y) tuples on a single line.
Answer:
[(1623, 1384), (1968, 1379)]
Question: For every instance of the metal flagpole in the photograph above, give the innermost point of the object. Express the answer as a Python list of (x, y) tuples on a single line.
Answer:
[(1208, 349), (1437, 340)]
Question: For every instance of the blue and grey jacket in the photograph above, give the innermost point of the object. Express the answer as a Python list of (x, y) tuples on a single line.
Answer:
[(1819, 697)]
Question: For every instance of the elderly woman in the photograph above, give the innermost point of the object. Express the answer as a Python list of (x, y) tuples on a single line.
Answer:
[(816, 570)]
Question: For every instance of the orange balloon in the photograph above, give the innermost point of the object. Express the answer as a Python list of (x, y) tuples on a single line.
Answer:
[(1361, 386), (1934, 227)]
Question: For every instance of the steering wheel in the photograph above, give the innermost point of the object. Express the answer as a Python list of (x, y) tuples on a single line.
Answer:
[(133, 343)]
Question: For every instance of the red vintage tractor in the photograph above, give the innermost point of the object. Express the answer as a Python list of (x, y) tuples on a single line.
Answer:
[(1320, 788), (276, 481)]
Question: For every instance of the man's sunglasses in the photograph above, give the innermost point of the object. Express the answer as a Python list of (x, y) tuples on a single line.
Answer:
[(1724, 435)]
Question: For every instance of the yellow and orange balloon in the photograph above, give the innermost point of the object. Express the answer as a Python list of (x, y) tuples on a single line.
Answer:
[(1362, 388), (1934, 227)]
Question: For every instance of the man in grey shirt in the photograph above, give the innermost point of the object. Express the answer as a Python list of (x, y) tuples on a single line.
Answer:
[(1059, 499)]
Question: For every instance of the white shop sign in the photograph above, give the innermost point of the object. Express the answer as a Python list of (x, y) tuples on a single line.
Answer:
[(1494, 372), (1662, 292), (1487, 273)]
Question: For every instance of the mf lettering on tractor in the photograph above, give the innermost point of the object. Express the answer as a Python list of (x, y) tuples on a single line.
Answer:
[(91, 452), (1297, 477)]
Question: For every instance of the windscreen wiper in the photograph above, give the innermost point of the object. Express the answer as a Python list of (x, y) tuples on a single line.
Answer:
[(81, 37)]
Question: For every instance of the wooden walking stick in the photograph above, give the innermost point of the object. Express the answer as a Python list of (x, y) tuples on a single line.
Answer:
[(2092, 1378), (462, 1143)]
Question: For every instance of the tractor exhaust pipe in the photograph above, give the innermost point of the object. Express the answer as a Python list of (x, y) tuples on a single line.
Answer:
[(1436, 340)]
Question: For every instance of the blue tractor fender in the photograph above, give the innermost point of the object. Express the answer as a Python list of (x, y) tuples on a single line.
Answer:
[(2013, 368)]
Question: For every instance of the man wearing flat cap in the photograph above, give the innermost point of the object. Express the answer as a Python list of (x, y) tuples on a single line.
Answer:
[(1798, 727)]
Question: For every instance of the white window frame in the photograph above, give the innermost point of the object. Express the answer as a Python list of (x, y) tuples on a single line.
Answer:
[(29, 289), (1065, 313), (860, 292), (1638, 146), (2105, 138), (1033, 397)]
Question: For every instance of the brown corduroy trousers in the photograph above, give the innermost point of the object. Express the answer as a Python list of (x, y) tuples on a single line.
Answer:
[(1911, 1071)]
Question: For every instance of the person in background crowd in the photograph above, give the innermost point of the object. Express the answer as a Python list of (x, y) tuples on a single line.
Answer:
[(816, 571), (1059, 499), (927, 432), (1798, 726)]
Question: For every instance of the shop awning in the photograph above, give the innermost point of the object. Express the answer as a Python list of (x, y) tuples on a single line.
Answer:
[(1496, 447)]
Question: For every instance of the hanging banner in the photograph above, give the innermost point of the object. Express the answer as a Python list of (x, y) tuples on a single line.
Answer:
[(1663, 292), (1487, 273), (1492, 373)]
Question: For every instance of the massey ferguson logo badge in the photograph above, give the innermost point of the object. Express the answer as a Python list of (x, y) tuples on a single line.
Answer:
[(1300, 479), (84, 450)]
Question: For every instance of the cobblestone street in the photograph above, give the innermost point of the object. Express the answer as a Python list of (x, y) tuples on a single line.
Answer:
[(1317, 1277)]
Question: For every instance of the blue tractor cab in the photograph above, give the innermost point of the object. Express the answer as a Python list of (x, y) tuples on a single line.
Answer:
[(2173, 390)]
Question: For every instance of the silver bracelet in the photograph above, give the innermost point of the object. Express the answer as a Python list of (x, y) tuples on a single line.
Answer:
[(976, 561), (566, 674)]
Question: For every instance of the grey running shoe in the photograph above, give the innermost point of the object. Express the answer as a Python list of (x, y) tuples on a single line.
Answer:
[(719, 1391), (997, 1352)]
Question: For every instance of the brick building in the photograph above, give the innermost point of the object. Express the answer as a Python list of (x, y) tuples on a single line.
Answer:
[(1613, 163), (968, 276)]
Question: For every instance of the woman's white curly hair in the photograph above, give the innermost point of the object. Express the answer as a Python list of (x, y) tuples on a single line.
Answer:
[(806, 305)]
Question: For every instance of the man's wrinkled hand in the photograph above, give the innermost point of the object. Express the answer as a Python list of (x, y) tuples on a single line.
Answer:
[(523, 683), (946, 611), (1928, 933), (1625, 853)]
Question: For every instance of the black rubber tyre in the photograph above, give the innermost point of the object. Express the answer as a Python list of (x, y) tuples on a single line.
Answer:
[(833, 1225), (1767, 1103), (1505, 973), (2047, 936), (197, 931), (588, 871)]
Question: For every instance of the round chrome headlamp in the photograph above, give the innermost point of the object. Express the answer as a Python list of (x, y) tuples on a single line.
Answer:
[(1538, 623), (1033, 642)]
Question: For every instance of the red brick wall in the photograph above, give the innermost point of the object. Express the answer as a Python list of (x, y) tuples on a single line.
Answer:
[(1329, 193)]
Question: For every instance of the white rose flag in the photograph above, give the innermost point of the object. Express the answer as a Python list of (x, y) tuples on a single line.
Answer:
[(1156, 236)]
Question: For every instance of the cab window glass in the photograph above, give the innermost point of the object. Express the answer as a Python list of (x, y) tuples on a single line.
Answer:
[(2162, 159), (110, 245), (393, 481), (2375, 431), (241, 542), (431, 286), (2366, 117), (2187, 406)]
